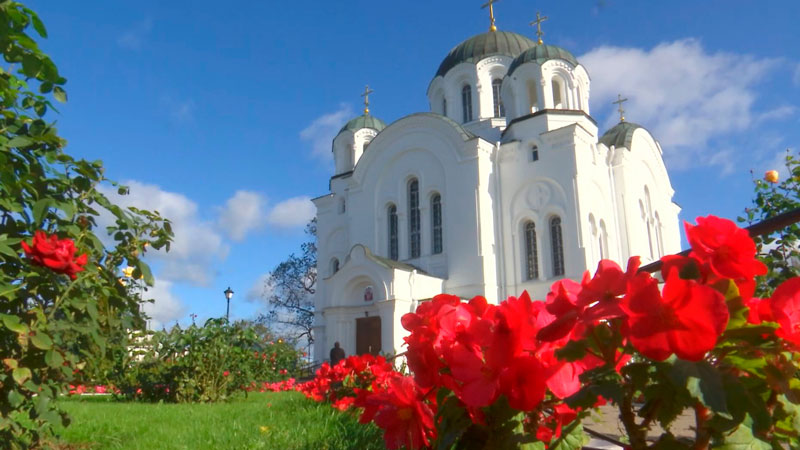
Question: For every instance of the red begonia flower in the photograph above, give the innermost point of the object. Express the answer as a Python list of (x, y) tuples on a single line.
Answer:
[(727, 249), (56, 254), (406, 419), (522, 382), (685, 320), (785, 308)]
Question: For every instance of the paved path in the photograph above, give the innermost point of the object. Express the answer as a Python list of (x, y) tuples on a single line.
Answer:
[(607, 422)]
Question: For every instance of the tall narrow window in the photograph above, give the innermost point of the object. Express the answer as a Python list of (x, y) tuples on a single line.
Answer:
[(392, 232), (533, 97), (444, 106), (436, 223), (603, 240), (534, 153), (466, 103), (659, 237), (648, 219), (499, 110), (531, 256), (558, 93), (334, 265), (558, 246), (414, 237)]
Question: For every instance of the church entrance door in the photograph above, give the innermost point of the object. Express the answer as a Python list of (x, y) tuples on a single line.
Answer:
[(368, 335)]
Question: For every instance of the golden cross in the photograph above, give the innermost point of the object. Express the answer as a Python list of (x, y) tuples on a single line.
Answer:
[(490, 4), (619, 102), (366, 93), (538, 23)]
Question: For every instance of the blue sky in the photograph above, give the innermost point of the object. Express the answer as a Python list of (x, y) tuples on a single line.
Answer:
[(220, 114)]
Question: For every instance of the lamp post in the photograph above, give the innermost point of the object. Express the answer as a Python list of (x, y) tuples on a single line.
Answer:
[(228, 295)]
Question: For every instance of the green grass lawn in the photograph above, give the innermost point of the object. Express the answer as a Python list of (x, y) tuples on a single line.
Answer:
[(282, 420)]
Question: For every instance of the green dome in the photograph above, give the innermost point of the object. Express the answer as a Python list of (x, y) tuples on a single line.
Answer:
[(541, 53), (364, 121), (620, 135), (478, 47)]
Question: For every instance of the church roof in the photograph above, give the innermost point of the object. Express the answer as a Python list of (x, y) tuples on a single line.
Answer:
[(364, 121), (620, 135), (465, 134), (541, 53), (486, 44)]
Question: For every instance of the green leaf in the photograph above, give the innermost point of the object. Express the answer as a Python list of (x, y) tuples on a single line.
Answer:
[(144, 272), (703, 383), (60, 94), (40, 208), (573, 440), (42, 341), (21, 374), (37, 24), (53, 359), (15, 398), (13, 323), (742, 439)]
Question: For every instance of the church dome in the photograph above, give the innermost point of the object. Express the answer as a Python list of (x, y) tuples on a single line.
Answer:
[(620, 135), (364, 121), (539, 54), (486, 44)]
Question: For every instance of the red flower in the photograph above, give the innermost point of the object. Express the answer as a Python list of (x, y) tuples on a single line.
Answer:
[(785, 308), (686, 321), (56, 254), (226, 373), (728, 251), (523, 383), (406, 419)]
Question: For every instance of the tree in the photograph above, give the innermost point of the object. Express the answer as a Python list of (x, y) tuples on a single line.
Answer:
[(60, 294), (780, 250), (290, 289)]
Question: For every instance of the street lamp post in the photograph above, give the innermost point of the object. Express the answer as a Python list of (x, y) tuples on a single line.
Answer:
[(228, 295)]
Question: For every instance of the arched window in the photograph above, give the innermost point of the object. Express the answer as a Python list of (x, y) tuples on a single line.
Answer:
[(603, 237), (534, 153), (533, 96), (557, 245), (466, 103), (334, 265), (558, 93), (392, 232), (414, 237), (531, 254), (499, 110), (436, 223)]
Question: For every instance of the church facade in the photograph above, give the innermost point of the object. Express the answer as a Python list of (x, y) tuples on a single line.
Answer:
[(505, 185)]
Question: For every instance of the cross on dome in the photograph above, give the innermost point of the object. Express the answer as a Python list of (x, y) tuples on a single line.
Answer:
[(490, 4), (538, 23), (366, 93), (621, 110)]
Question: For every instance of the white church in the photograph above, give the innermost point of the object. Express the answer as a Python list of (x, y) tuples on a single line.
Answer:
[(505, 185)]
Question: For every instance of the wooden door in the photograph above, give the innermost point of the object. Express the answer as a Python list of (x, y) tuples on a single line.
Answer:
[(368, 335)]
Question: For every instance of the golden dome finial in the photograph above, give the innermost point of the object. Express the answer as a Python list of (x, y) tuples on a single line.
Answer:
[(621, 110), (490, 4), (366, 93), (538, 23)]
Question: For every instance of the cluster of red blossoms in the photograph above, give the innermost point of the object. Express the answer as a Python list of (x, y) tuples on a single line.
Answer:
[(480, 351), (56, 254)]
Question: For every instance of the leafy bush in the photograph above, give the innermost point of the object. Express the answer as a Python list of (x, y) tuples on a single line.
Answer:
[(60, 298), (206, 364)]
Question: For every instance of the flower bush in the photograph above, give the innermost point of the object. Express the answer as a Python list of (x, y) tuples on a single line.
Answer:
[(522, 374), (206, 363)]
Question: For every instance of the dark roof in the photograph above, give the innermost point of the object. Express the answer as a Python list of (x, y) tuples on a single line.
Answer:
[(620, 135), (541, 53), (364, 121), (486, 44)]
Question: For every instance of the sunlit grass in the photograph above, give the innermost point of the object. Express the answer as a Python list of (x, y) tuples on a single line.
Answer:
[(284, 420)]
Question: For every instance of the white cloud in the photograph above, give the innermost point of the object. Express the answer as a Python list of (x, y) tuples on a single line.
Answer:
[(683, 94), (244, 212), (294, 212), (133, 38), (197, 244), (323, 129), (781, 112), (260, 290), (166, 306)]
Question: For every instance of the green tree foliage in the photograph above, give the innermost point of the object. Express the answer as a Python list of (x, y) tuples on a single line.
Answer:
[(291, 287), (50, 324), (780, 250)]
